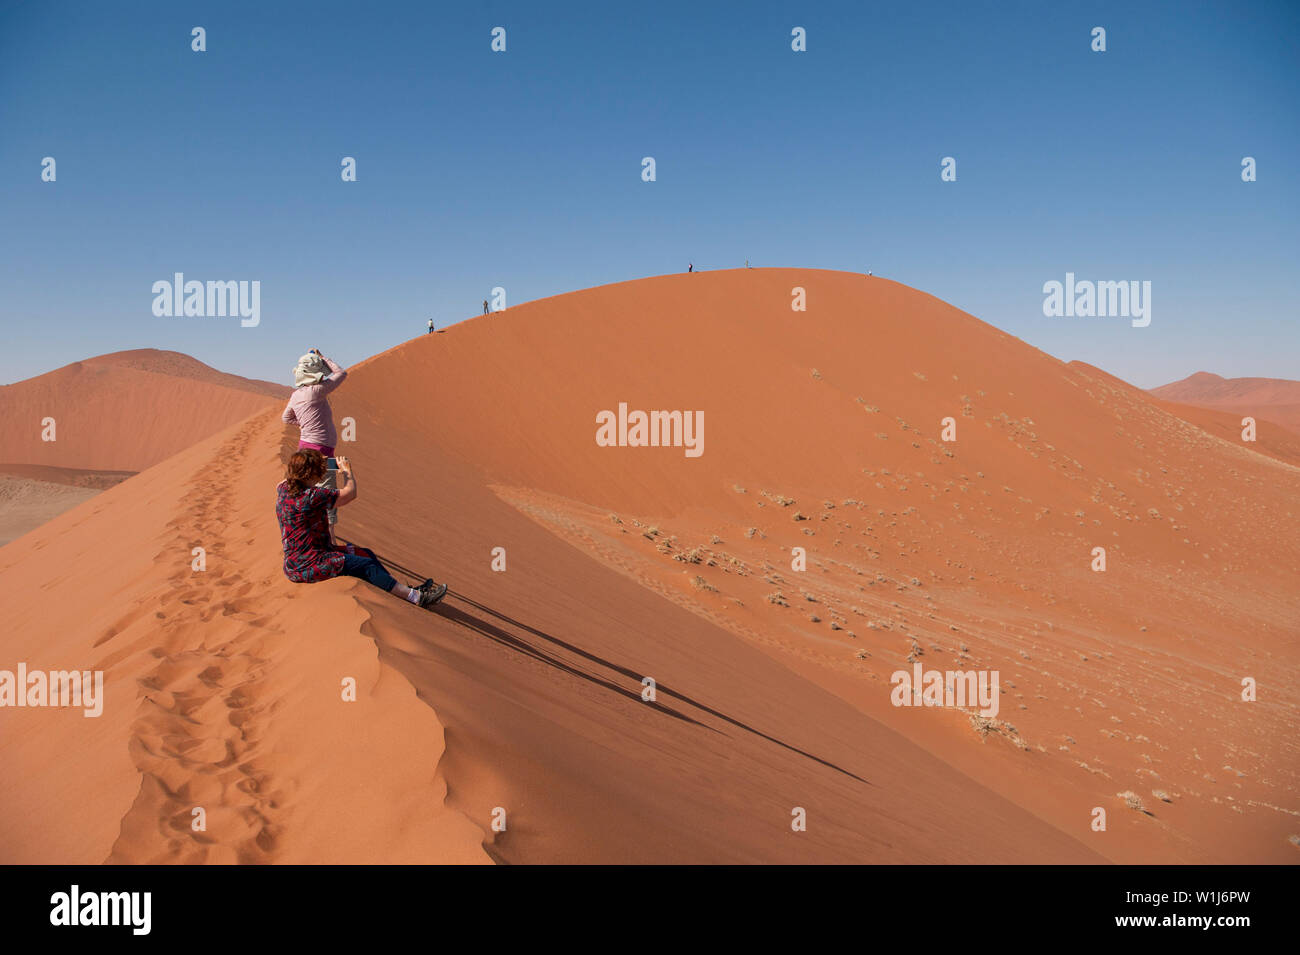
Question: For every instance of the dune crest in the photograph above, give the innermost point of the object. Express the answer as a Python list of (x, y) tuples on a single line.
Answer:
[(223, 688)]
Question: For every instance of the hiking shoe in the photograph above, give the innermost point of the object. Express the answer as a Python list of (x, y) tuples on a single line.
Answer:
[(431, 595)]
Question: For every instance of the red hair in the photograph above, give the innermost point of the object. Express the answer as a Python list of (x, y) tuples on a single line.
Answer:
[(304, 470)]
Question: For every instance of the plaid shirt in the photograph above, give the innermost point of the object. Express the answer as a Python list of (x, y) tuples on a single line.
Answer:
[(304, 530)]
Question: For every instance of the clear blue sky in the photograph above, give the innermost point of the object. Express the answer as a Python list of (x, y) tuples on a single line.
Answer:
[(523, 169)]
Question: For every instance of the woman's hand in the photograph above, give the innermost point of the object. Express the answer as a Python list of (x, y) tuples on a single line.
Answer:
[(348, 494)]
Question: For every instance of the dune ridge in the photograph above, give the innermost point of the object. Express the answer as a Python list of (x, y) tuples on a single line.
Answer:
[(177, 365), (222, 688)]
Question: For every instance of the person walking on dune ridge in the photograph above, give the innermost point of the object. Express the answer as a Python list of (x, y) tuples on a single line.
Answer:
[(301, 506), (314, 377)]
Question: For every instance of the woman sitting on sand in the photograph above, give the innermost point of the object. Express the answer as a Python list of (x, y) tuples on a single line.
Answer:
[(301, 508)]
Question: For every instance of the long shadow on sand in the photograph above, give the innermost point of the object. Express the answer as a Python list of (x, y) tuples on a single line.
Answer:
[(494, 631), (505, 638)]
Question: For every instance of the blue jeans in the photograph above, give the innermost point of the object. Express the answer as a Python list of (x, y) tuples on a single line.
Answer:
[(367, 568)]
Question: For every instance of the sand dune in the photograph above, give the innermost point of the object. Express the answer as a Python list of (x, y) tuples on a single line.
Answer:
[(222, 688), (523, 694), (1275, 400), (174, 364), (125, 411), (113, 416)]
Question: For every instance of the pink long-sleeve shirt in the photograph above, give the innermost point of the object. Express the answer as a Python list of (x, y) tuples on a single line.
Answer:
[(308, 408)]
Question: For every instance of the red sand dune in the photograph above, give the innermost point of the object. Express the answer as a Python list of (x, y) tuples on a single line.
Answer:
[(523, 693), (125, 411), (1275, 400)]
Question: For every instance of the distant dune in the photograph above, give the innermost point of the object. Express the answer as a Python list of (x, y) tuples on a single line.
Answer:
[(114, 415), (1276, 400), (183, 366), (526, 693), (125, 411)]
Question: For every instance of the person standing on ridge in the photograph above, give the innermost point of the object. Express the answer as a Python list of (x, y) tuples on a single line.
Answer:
[(485, 307), (691, 267), (430, 326), (301, 505), (314, 377)]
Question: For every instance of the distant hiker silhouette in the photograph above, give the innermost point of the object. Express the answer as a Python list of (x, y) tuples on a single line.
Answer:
[(430, 326), (691, 267), (314, 377), (485, 307), (302, 506)]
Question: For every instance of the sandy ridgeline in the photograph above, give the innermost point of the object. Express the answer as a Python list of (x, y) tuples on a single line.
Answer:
[(522, 696)]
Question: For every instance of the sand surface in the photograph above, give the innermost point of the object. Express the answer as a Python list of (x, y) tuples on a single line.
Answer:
[(521, 698), (31, 494), (26, 504)]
